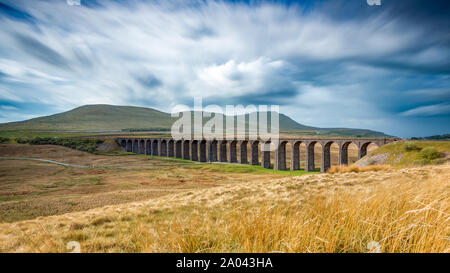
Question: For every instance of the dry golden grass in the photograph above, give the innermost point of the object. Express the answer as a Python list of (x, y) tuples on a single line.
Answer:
[(403, 210), (356, 169)]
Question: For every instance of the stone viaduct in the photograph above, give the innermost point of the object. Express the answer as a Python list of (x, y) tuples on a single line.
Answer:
[(212, 150)]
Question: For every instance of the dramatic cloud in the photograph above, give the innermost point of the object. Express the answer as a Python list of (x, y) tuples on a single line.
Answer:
[(327, 63)]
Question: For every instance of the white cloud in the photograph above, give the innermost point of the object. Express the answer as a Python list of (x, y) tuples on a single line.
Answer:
[(8, 107), (19, 72), (236, 79), (429, 110)]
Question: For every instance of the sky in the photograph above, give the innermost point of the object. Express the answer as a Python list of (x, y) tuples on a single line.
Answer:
[(335, 63)]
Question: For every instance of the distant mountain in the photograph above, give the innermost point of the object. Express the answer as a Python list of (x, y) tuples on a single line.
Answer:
[(121, 118), (96, 118), (435, 137)]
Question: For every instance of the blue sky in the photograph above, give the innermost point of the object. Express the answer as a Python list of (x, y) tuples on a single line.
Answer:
[(326, 63)]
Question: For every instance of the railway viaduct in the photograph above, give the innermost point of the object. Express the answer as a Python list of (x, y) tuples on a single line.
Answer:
[(212, 150)]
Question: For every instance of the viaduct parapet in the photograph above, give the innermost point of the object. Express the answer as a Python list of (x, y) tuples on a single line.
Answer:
[(250, 151)]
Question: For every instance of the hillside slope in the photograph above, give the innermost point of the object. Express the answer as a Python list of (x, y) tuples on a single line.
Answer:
[(96, 117), (408, 153), (116, 118)]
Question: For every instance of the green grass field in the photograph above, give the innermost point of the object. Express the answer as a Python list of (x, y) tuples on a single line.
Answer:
[(235, 168)]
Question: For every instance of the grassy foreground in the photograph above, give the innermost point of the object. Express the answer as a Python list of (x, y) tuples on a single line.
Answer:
[(394, 210), (31, 189)]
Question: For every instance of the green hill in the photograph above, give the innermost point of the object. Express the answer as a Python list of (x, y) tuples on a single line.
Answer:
[(410, 153), (96, 118)]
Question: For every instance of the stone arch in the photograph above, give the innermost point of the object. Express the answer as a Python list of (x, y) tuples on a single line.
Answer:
[(212, 156), (136, 146), (310, 165), (362, 151), (194, 150), (243, 157), (265, 154), (280, 156), (178, 148), (233, 151), (326, 156), (186, 144), (343, 152), (223, 151), (170, 148), (129, 146), (123, 145), (202, 150), (254, 153), (142, 146), (155, 150), (148, 147), (163, 151), (295, 155)]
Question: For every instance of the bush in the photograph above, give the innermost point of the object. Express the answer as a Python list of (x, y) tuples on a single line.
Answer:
[(22, 140), (428, 156), (410, 146), (85, 145), (429, 153), (4, 139)]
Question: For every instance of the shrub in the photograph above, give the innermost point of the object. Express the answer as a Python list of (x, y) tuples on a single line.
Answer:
[(410, 146), (4, 139), (22, 140), (86, 145), (429, 153)]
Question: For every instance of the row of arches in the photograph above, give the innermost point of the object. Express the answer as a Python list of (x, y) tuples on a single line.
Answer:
[(254, 152), (324, 151)]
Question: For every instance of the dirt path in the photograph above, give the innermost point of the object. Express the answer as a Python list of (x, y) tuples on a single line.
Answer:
[(96, 166), (45, 160)]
